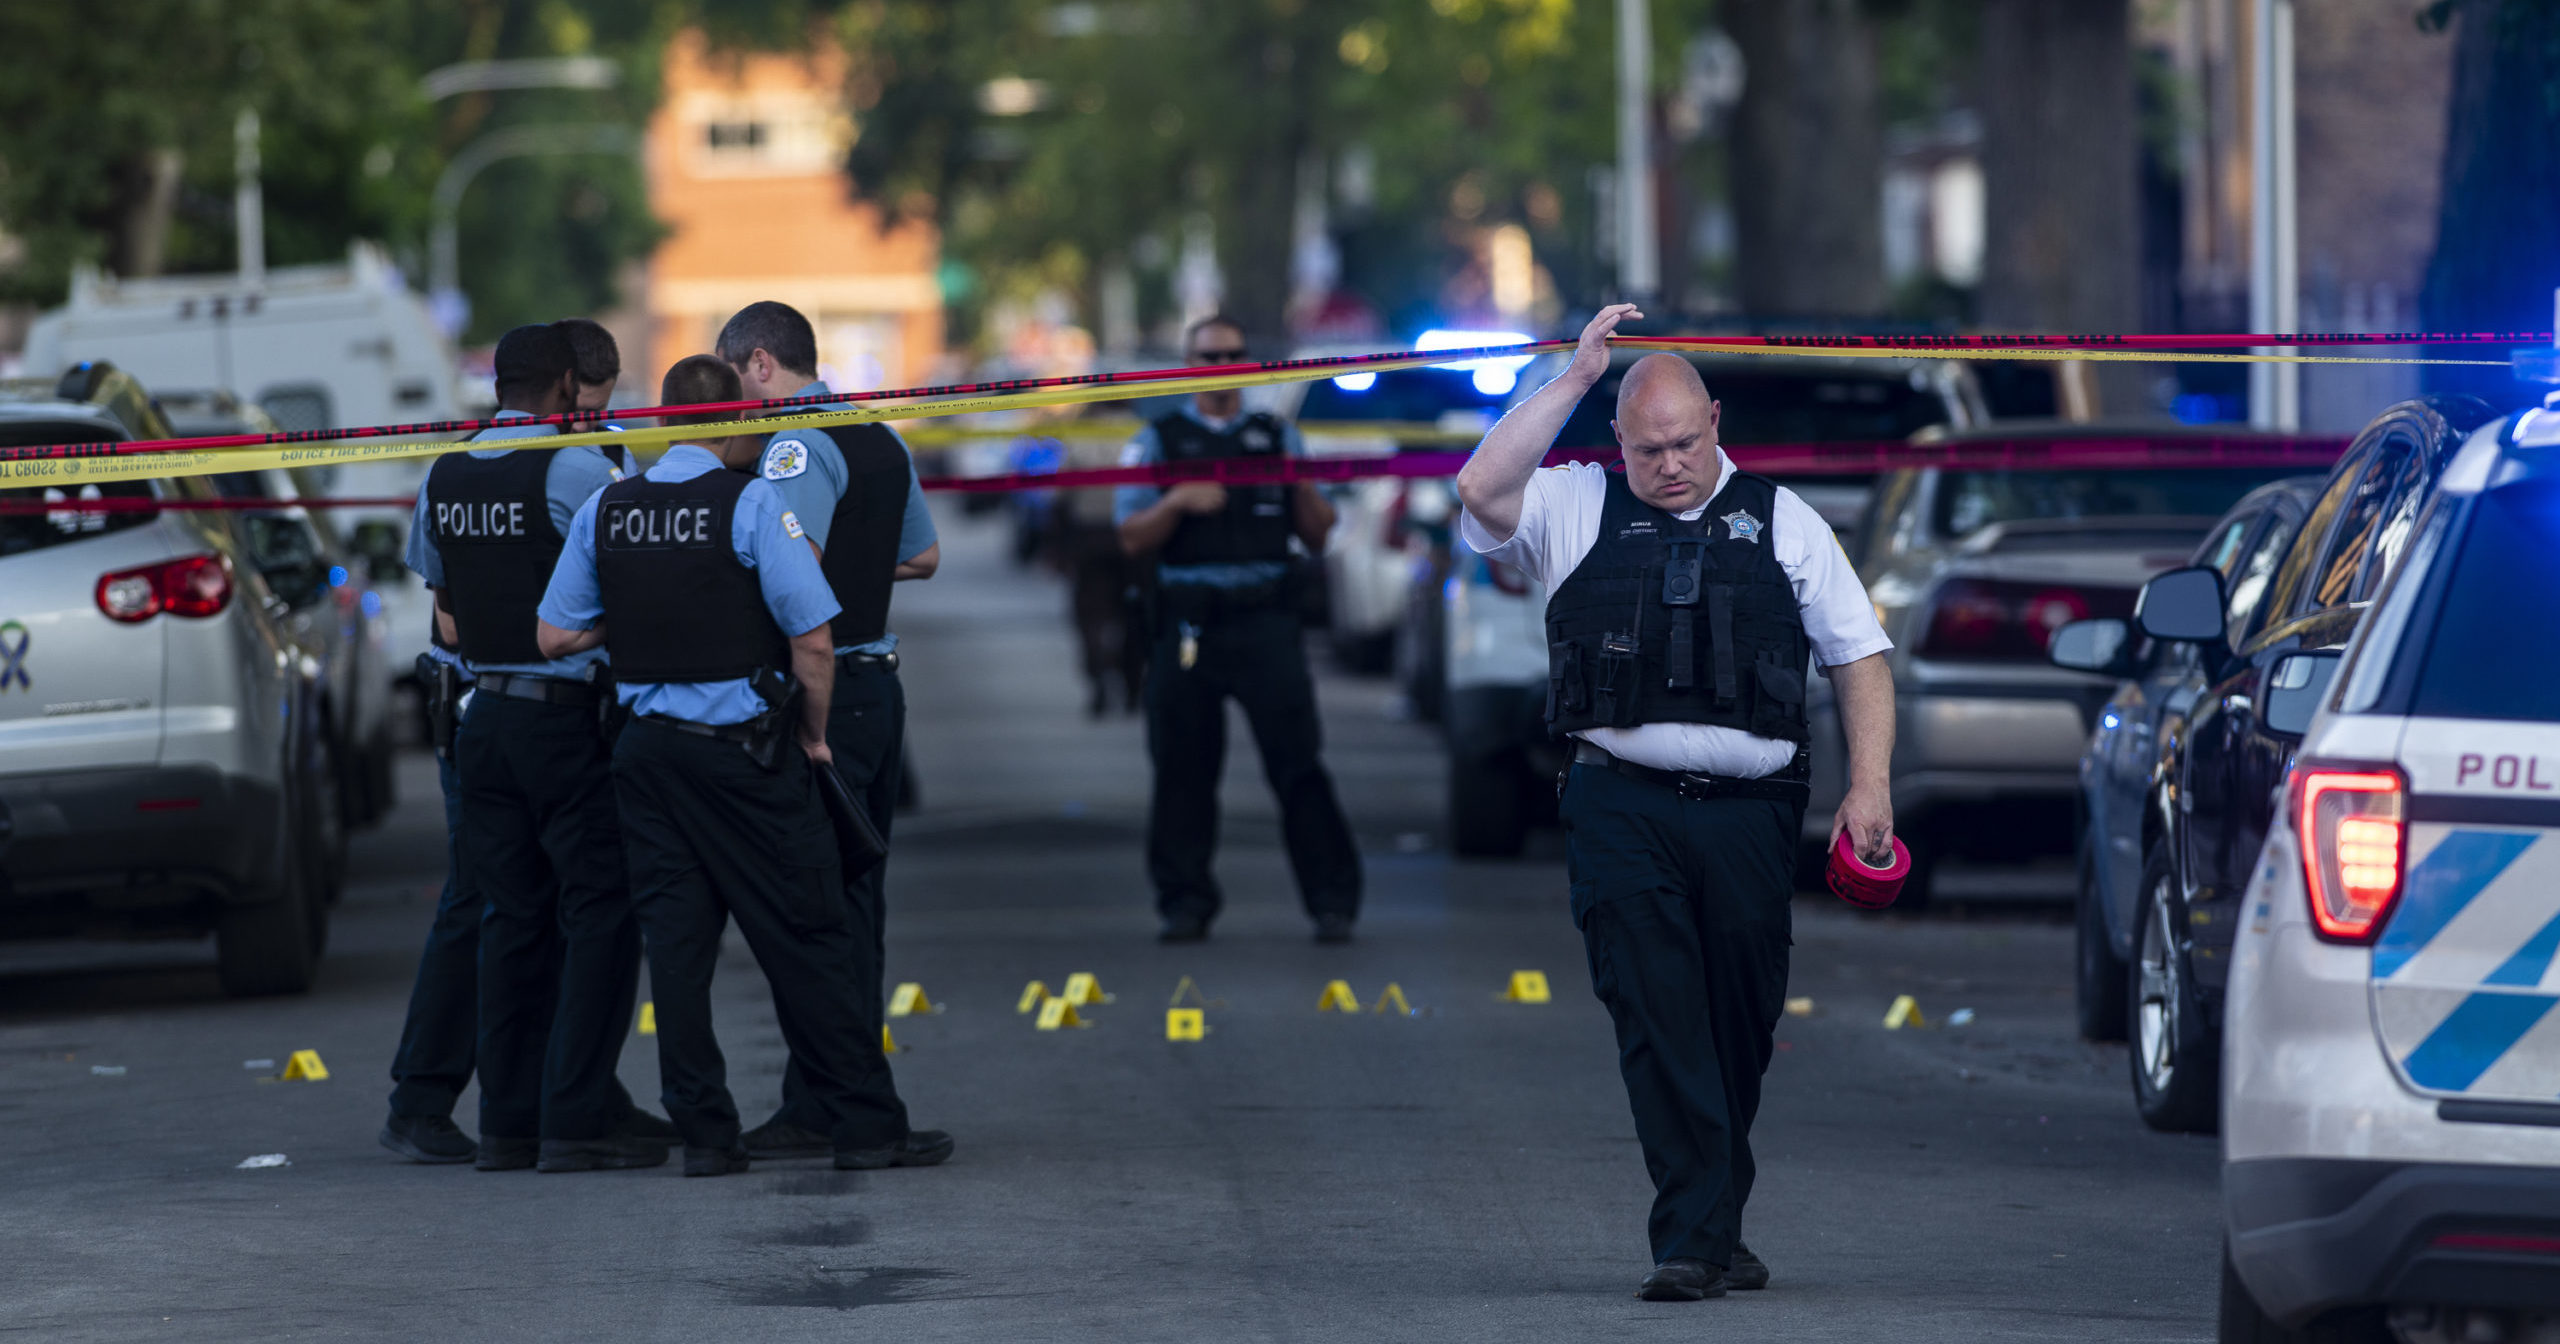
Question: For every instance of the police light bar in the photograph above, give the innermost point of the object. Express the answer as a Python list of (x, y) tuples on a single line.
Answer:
[(1494, 376)]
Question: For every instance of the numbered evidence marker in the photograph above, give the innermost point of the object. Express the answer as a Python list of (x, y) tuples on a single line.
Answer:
[(306, 1066), (1082, 989), (1057, 1011), (1033, 995), (908, 999), (888, 1043), (1527, 987), (1184, 1024), (1392, 994), (1337, 998), (649, 1018), (1905, 1012)]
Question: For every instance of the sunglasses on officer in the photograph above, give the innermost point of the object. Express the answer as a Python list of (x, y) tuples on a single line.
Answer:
[(1222, 355)]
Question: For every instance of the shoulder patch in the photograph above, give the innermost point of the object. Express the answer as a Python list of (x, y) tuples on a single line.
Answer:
[(785, 460), (791, 525)]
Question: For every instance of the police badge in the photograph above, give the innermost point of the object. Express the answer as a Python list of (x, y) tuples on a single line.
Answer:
[(1743, 527)]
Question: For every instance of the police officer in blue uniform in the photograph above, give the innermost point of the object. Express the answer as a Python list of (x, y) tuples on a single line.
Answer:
[(537, 836), (1225, 627), (705, 590), (439, 1038), (854, 488)]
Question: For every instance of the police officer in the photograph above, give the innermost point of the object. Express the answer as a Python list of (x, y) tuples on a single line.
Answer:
[(706, 592), (1686, 599), (854, 488), (1225, 627), (559, 951)]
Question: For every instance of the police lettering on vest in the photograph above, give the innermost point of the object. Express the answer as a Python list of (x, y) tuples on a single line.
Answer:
[(679, 605), (1256, 524), (657, 523), (1666, 621), (493, 531)]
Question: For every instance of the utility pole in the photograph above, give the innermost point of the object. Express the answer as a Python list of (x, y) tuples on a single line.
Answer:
[(248, 206), (2275, 390), (1639, 251)]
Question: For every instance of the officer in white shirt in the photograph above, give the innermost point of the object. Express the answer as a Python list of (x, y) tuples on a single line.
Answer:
[(1686, 599)]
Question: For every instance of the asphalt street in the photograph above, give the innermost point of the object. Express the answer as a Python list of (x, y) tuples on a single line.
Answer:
[(1466, 1172)]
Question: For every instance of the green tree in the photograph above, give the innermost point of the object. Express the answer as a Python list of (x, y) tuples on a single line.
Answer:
[(2496, 261)]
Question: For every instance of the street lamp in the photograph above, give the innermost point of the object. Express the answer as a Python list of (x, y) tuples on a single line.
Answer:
[(444, 278)]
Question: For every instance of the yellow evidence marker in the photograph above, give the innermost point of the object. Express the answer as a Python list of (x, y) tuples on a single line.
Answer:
[(1033, 995), (1184, 1024), (888, 1043), (909, 999), (1083, 989), (1056, 1012), (1905, 1012), (1394, 994), (306, 1066), (1337, 998), (1527, 987), (649, 1017)]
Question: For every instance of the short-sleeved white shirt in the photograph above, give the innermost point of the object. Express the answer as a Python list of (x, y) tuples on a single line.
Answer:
[(1559, 522)]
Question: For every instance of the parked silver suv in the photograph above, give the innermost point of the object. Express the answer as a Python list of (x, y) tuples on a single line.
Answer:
[(166, 761)]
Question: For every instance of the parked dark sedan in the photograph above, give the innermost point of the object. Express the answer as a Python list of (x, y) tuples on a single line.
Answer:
[(2185, 811)]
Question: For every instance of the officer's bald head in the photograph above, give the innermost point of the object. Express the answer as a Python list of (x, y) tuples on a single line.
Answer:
[(1666, 430)]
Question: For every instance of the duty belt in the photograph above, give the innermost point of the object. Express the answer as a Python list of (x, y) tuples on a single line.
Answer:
[(1203, 603), (865, 662), (1788, 785), (549, 690), (724, 732)]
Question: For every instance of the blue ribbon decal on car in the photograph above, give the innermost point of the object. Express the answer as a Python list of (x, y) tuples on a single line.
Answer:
[(13, 657)]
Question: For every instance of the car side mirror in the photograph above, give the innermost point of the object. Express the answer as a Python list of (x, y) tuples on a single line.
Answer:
[(2183, 604), (2295, 687), (2099, 646)]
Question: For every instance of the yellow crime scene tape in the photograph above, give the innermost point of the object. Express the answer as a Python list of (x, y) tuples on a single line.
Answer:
[(103, 469)]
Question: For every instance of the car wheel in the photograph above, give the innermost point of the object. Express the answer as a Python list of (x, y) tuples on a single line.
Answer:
[(2240, 1321), (2175, 1058), (1486, 816), (267, 947), (2099, 973)]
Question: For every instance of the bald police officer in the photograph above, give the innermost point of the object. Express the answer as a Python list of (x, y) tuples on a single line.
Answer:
[(532, 961), (854, 488), (705, 590), (1685, 601)]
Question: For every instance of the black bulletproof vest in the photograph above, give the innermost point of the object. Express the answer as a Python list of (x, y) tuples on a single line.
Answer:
[(1673, 622), (861, 559), (1255, 524), (678, 603), (493, 529)]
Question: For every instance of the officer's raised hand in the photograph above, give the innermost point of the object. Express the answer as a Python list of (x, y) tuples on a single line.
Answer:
[(1491, 483), (1591, 353)]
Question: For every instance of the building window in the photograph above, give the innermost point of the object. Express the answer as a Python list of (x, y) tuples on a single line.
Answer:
[(734, 137)]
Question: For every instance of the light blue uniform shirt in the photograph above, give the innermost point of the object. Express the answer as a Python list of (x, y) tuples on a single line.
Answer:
[(765, 538), (573, 478), (1146, 450), (812, 479)]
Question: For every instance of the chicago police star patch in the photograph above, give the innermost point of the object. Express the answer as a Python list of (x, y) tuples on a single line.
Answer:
[(785, 460), (1743, 526)]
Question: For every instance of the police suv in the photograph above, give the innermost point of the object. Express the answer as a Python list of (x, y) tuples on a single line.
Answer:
[(2391, 1117)]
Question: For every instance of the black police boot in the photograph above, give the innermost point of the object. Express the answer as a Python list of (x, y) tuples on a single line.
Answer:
[(781, 1138), (1333, 928), (613, 1152), (1183, 929), (1746, 1273), (714, 1161), (428, 1138), (921, 1148), (639, 1124), (1681, 1280), (507, 1154)]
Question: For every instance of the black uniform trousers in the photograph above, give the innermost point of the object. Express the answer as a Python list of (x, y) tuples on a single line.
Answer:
[(439, 1039), (866, 732), (1258, 657), (1684, 911), (712, 836), (559, 951)]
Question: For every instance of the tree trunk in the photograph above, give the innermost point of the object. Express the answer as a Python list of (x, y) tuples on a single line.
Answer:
[(1807, 182), (146, 198), (2062, 243), (2496, 264), (1257, 200)]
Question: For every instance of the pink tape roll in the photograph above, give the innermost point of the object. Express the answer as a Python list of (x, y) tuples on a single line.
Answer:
[(1862, 884)]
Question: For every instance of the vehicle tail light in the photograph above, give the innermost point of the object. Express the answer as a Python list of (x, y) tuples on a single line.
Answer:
[(197, 585), (1999, 620), (1507, 579), (2349, 820)]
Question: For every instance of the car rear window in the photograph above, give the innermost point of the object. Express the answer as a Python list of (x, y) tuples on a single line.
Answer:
[(1782, 408), (37, 517), (1969, 501), (1418, 395), (2498, 633)]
